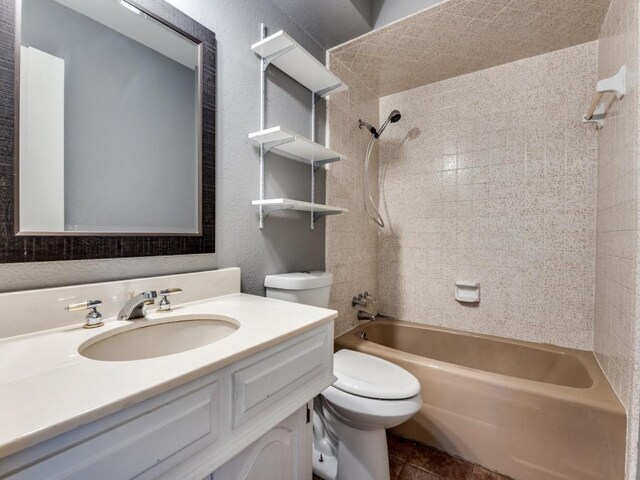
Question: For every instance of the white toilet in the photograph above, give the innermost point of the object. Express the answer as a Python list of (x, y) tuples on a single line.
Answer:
[(369, 395), (309, 288)]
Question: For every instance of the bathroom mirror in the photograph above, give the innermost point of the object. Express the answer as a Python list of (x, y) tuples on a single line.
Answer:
[(108, 121), (113, 120)]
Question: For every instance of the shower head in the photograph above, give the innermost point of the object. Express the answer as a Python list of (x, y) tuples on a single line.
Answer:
[(393, 117)]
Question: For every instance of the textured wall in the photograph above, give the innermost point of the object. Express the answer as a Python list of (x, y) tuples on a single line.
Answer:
[(490, 177), (351, 237), (617, 307), (287, 242)]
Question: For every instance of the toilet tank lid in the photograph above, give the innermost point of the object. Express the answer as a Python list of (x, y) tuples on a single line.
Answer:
[(372, 377), (299, 280)]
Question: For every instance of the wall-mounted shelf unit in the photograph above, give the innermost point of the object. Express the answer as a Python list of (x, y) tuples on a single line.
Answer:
[(283, 52), (296, 147), (317, 209)]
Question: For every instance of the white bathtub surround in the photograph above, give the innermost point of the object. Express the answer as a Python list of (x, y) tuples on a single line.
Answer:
[(48, 388)]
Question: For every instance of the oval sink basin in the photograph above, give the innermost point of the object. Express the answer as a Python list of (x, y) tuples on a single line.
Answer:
[(157, 338)]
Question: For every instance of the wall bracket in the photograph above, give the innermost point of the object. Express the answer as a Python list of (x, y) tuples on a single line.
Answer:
[(617, 87)]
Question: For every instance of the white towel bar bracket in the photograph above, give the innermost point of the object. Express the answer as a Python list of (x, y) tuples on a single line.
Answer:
[(617, 86)]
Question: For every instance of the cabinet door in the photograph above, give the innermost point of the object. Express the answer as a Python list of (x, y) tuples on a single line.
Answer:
[(283, 453)]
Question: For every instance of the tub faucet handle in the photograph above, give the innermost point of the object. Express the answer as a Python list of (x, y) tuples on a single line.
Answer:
[(363, 299), (359, 301), (370, 298)]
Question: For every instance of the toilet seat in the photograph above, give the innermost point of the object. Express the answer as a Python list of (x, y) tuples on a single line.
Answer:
[(372, 377), (370, 412), (369, 396)]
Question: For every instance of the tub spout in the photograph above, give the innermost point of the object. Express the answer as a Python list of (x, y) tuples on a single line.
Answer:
[(362, 315)]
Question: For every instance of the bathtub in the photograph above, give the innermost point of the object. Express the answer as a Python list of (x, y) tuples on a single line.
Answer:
[(530, 411)]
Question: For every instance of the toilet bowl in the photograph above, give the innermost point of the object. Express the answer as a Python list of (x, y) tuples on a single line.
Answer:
[(369, 396)]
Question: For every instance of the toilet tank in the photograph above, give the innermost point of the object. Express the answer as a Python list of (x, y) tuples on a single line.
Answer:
[(310, 288)]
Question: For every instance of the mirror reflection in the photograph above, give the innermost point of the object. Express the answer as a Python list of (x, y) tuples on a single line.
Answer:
[(109, 121)]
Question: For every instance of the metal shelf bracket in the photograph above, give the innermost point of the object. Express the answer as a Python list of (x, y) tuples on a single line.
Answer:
[(322, 93), (266, 61)]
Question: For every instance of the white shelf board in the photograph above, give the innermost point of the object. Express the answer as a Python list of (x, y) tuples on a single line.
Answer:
[(288, 204), (286, 54), (294, 146)]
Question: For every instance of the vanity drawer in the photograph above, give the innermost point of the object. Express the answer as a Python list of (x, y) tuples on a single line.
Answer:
[(141, 446), (271, 377)]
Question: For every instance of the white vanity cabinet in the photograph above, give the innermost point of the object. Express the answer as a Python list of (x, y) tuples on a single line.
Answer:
[(247, 420), (283, 453)]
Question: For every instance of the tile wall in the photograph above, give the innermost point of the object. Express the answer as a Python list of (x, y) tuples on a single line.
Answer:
[(457, 37), (617, 303), (490, 177), (351, 251)]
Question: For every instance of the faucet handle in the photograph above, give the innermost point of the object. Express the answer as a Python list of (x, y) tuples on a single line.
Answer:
[(75, 307), (370, 298), (165, 304), (359, 300), (93, 318), (169, 291), (363, 300)]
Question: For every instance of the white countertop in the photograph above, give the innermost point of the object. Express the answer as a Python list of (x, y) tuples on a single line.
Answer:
[(48, 388)]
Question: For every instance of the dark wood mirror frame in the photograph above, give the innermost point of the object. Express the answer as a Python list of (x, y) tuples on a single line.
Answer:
[(22, 248)]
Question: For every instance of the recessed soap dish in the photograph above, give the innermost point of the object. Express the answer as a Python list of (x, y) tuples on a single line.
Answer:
[(467, 292)]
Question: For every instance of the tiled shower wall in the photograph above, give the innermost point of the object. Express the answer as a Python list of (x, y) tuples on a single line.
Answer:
[(617, 317), (491, 177), (351, 251), (478, 177)]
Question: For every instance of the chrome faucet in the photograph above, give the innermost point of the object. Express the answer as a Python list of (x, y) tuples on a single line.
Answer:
[(165, 304), (93, 318), (362, 315), (136, 306)]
